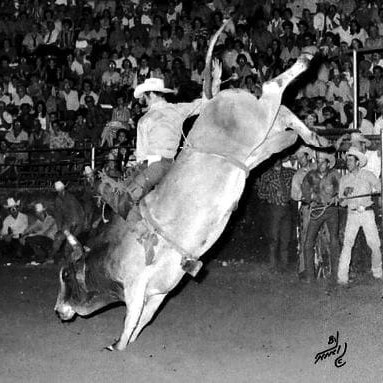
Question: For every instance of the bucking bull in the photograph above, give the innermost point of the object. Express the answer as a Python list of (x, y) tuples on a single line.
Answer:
[(186, 213)]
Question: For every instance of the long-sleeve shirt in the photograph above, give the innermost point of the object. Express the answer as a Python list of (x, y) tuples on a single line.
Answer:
[(16, 225), (296, 183), (159, 130), (319, 188), (47, 228), (275, 186), (361, 182)]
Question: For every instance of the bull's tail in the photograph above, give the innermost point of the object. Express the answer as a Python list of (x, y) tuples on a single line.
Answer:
[(209, 55)]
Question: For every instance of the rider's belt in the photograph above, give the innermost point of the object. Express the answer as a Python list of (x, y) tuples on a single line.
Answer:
[(361, 209)]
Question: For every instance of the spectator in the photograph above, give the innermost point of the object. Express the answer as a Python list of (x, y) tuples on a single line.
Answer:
[(359, 213), (87, 91), (17, 140), (21, 97), (40, 234), (319, 189), (39, 138), (71, 100), (111, 76), (275, 188), (14, 225), (59, 139), (365, 126)]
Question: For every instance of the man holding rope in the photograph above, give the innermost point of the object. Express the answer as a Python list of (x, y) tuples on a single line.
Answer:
[(319, 190), (355, 191)]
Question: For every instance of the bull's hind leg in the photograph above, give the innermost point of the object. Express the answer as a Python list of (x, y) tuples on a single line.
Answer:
[(150, 308)]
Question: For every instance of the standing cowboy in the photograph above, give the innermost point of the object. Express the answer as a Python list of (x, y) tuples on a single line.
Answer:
[(275, 189), (304, 156), (319, 190), (359, 214)]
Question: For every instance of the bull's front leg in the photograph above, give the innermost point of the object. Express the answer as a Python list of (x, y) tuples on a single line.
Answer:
[(135, 301), (150, 308)]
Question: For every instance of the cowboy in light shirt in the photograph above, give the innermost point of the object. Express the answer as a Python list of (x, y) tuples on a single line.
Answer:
[(159, 131), (360, 213), (14, 226)]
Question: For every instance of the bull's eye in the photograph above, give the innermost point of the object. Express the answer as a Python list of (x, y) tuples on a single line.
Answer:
[(65, 274)]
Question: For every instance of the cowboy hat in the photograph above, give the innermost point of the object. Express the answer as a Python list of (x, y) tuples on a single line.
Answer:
[(59, 186), (11, 203), (304, 150), (151, 85), (39, 208), (87, 171), (363, 111), (359, 155), (321, 156), (357, 138)]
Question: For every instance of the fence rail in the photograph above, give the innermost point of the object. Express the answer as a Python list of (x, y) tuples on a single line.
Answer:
[(42, 167)]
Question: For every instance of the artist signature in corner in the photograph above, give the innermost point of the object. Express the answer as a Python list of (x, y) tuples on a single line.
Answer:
[(335, 349)]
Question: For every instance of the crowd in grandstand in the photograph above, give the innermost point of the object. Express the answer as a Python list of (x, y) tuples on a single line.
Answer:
[(69, 68)]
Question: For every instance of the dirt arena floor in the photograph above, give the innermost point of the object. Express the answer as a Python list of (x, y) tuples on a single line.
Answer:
[(237, 323)]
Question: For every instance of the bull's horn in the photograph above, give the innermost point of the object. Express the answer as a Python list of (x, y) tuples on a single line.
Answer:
[(207, 72), (78, 250)]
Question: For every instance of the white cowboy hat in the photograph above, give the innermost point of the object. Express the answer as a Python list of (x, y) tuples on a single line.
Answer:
[(321, 156), (39, 208), (304, 150), (59, 186), (356, 138), (11, 203), (151, 85), (353, 151), (363, 111), (87, 171)]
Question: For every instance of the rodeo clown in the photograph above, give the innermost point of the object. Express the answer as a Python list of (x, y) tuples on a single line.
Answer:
[(355, 190), (159, 132)]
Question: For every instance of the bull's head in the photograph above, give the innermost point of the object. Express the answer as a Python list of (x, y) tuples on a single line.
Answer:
[(85, 285), (72, 289)]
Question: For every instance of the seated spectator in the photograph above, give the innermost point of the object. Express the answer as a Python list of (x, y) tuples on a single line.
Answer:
[(13, 228), (38, 138), (4, 97), (95, 119), (331, 118), (5, 117), (143, 70), (111, 75), (107, 95), (121, 112), (128, 75), (4, 154), (21, 97), (71, 100), (243, 70), (290, 51), (40, 234), (17, 140), (87, 91), (110, 167), (59, 139), (66, 37), (32, 40), (8, 51), (26, 118), (365, 126)]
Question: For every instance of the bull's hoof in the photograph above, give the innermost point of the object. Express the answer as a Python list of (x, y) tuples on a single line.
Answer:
[(116, 346), (192, 267)]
